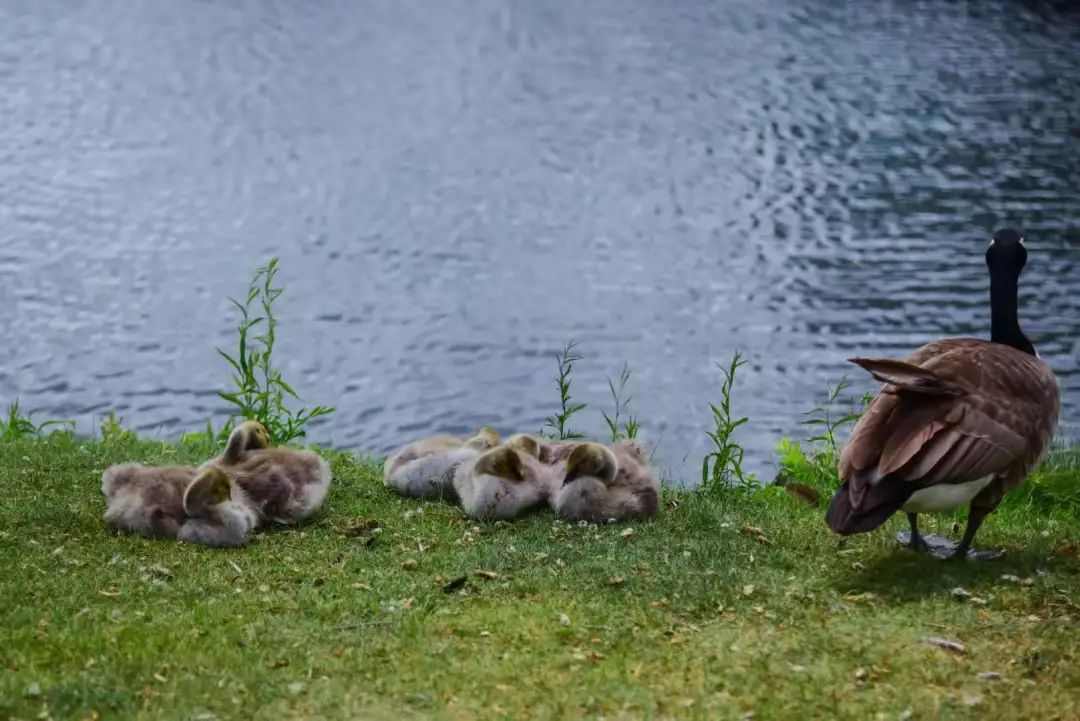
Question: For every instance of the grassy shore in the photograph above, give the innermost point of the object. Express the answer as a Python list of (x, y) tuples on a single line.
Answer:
[(728, 605)]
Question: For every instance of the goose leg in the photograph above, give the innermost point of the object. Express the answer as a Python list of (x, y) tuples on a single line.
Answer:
[(963, 550), (930, 544), (912, 539)]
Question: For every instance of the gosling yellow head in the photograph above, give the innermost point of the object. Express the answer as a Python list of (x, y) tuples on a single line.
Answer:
[(248, 436), (485, 438), (209, 488), (502, 462), (525, 443), (255, 434), (591, 460)]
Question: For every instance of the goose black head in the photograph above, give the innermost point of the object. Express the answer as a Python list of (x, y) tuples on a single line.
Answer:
[(1007, 251)]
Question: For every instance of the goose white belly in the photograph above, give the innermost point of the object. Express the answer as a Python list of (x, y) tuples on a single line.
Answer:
[(945, 496)]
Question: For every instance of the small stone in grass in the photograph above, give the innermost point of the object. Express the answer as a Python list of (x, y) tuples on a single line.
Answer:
[(410, 564), (945, 643), (973, 701), (748, 589), (564, 619), (626, 532), (616, 581), (961, 594), (861, 674), (33, 690), (865, 597), (989, 675), (161, 571)]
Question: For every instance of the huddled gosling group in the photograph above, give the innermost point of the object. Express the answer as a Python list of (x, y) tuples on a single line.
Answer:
[(220, 502), (580, 481), (251, 484)]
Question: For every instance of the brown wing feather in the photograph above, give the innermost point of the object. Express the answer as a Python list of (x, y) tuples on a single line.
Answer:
[(864, 446), (916, 420)]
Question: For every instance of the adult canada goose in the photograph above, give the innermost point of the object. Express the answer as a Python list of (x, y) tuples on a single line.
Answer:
[(425, 468), (602, 483), (281, 484), (505, 482), (960, 422)]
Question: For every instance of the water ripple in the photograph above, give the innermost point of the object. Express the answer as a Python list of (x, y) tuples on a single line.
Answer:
[(455, 191)]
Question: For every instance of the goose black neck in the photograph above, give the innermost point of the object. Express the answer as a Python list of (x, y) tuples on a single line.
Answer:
[(1004, 324)]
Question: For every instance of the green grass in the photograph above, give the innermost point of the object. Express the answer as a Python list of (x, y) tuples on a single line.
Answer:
[(693, 615)]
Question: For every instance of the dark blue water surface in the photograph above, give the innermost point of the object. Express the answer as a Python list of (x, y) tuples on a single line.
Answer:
[(456, 188)]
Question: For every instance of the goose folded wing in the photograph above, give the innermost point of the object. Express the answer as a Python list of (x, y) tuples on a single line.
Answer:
[(970, 443), (908, 441)]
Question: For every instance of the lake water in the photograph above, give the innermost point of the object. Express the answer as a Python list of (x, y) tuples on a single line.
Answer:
[(456, 188)]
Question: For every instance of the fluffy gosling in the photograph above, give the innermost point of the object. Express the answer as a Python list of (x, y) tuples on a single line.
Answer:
[(425, 468), (602, 484)]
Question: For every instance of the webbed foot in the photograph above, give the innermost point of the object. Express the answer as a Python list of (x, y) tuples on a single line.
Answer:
[(930, 544), (978, 554), (943, 549), (914, 541)]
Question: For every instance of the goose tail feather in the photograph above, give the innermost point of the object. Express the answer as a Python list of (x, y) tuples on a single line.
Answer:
[(844, 518), (907, 376)]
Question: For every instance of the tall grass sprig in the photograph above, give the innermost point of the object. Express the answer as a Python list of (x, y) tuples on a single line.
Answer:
[(722, 468), (822, 416), (629, 428), (816, 464), (260, 390), (567, 409)]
